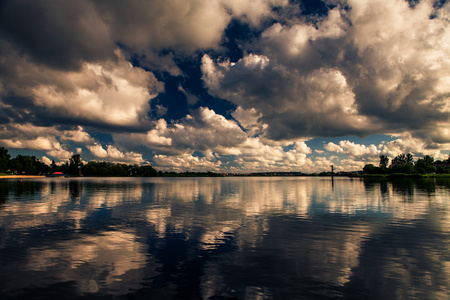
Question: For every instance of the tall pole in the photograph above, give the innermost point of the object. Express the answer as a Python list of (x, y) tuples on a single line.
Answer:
[(332, 170)]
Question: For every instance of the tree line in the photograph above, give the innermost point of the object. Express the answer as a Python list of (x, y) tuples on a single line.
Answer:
[(31, 165), (24, 164), (405, 164)]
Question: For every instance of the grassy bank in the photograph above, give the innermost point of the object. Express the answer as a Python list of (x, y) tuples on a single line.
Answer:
[(403, 175), (7, 176)]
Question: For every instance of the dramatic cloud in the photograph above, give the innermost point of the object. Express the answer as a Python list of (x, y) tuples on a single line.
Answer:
[(375, 67), (233, 86), (113, 93), (217, 140), (292, 104)]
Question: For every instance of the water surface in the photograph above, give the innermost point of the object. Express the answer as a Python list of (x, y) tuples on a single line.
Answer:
[(224, 238)]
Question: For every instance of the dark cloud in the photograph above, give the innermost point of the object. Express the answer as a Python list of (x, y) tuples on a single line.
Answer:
[(226, 78), (60, 34), (350, 73)]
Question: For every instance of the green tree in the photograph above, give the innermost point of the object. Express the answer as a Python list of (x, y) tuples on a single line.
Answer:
[(409, 158), (399, 160), (15, 165), (384, 161), (425, 164), (28, 165), (75, 164), (146, 171), (53, 166), (371, 169), (4, 159), (402, 163)]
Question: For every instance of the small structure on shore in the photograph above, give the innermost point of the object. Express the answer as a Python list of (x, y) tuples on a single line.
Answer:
[(56, 174)]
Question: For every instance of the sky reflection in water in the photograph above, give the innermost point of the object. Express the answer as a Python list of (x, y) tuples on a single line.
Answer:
[(248, 238)]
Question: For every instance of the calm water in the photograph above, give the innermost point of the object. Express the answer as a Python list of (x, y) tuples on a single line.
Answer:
[(224, 238)]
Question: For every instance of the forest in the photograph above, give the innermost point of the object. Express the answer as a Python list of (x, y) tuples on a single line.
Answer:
[(31, 165), (405, 164)]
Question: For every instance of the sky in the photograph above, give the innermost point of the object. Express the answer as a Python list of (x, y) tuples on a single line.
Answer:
[(225, 85)]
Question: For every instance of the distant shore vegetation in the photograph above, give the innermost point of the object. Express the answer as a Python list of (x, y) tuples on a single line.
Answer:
[(30, 165), (403, 165)]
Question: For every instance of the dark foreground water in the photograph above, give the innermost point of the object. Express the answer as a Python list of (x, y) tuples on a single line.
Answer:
[(224, 238)]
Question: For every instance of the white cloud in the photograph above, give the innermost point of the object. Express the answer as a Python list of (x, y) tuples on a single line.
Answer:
[(376, 67), (98, 151), (56, 141), (217, 139), (60, 153), (352, 149), (115, 154), (46, 160), (185, 162), (406, 143), (332, 147), (78, 135), (111, 93), (39, 143), (292, 104)]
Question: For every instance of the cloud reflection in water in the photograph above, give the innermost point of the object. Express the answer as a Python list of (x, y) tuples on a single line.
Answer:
[(249, 238)]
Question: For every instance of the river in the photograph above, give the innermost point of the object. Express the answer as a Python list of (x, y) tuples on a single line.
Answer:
[(224, 238)]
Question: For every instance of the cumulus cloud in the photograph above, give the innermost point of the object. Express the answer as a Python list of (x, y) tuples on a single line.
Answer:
[(60, 153), (184, 27), (46, 160), (352, 149), (87, 31), (406, 143), (292, 104), (113, 153), (186, 162), (403, 143), (39, 143), (223, 145), (375, 66), (54, 140), (111, 93), (27, 136), (77, 135), (80, 75)]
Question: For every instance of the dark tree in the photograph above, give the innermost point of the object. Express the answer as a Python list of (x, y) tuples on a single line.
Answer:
[(75, 164), (53, 166), (371, 169), (425, 164), (27, 165), (399, 160), (402, 163), (15, 165), (146, 171), (447, 161), (409, 158), (4, 159), (384, 161)]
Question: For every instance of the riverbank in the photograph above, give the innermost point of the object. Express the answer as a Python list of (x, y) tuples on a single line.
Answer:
[(401, 175), (20, 176)]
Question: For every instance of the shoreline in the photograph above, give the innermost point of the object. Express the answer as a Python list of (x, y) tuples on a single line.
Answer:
[(20, 176)]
